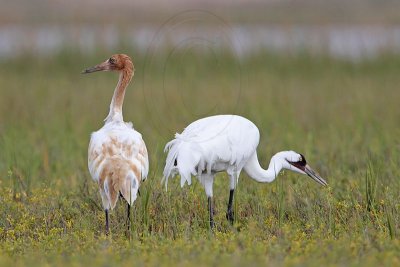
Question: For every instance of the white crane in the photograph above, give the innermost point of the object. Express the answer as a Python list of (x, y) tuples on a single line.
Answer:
[(117, 156), (226, 143)]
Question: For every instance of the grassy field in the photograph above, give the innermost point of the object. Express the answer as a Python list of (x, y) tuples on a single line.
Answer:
[(344, 117)]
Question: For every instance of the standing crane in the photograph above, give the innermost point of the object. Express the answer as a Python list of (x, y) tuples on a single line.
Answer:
[(117, 156), (226, 143)]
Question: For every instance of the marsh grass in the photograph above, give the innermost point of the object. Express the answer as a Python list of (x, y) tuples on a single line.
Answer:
[(343, 116)]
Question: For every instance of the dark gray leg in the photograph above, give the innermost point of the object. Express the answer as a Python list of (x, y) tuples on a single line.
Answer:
[(229, 214), (211, 211), (107, 225), (128, 217)]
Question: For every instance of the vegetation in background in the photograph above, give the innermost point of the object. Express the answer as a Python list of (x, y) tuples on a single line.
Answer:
[(343, 116)]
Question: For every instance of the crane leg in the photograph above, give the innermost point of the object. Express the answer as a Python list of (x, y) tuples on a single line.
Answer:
[(211, 211), (128, 217), (207, 180), (229, 214), (128, 221), (107, 225)]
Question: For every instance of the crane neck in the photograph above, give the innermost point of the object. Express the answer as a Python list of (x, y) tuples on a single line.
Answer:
[(255, 171), (117, 101)]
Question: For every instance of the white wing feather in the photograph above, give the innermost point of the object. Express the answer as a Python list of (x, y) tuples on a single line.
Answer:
[(212, 144)]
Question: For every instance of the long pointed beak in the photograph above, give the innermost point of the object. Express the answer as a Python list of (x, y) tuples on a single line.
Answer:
[(315, 176), (100, 67)]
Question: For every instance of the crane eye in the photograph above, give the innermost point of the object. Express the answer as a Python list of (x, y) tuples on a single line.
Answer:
[(303, 159), (111, 60)]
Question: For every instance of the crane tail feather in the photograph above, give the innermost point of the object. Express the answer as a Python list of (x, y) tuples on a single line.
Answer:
[(172, 148), (183, 158)]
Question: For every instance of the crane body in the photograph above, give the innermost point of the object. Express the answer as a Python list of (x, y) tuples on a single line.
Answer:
[(225, 143), (117, 154)]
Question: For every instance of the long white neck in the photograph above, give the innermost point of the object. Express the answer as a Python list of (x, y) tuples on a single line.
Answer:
[(255, 171), (117, 101)]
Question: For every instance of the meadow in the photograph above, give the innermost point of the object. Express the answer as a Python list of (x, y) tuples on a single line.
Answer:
[(343, 116)]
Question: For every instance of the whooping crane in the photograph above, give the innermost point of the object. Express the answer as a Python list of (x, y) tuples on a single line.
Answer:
[(117, 156), (226, 143)]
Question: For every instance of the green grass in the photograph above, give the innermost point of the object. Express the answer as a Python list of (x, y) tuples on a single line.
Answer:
[(344, 117)]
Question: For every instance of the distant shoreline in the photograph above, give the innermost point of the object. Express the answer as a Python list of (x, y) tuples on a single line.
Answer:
[(338, 41)]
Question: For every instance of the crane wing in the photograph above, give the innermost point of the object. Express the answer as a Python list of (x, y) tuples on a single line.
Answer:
[(118, 140), (210, 144)]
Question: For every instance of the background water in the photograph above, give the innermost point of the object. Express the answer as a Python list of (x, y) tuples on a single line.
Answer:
[(350, 29), (341, 41)]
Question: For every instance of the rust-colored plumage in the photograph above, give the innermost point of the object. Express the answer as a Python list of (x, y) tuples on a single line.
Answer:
[(117, 156)]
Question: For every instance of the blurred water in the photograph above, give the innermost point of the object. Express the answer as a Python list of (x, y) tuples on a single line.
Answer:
[(342, 41)]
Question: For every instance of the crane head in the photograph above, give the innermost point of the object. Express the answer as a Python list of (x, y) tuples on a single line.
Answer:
[(117, 62), (297, 162)]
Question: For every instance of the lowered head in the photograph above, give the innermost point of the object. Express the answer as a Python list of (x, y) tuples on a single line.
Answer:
[(117, 62), (296, 162)]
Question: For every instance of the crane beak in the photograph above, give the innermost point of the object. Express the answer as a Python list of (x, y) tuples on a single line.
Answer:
[(105, 66), (315, 176)]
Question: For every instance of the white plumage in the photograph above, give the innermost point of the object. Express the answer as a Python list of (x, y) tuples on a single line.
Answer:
[(225, 143), (210, 145)]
